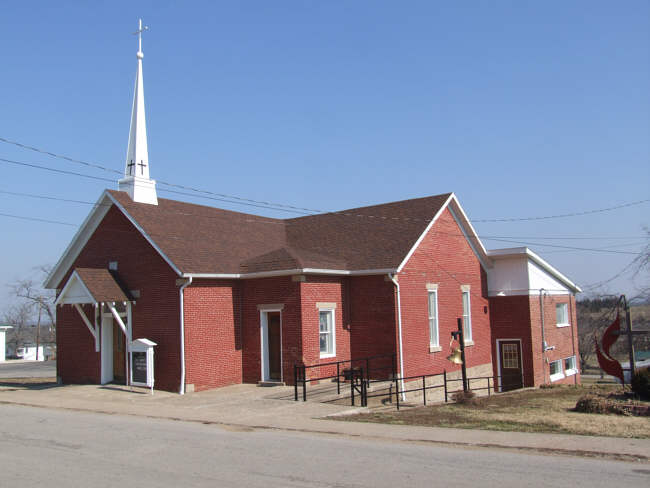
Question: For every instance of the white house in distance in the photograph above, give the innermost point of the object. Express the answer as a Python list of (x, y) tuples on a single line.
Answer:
[(3, 348)]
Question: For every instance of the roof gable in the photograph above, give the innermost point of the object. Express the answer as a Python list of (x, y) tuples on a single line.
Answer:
[(92, 285), (199, 240)]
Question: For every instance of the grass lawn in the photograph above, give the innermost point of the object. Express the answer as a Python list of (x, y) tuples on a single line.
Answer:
[(534, 410)]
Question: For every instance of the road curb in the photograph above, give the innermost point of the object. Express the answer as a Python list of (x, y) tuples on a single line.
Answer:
[(458, 444)]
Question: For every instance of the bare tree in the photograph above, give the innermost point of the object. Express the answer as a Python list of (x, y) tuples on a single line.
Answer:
[(19, 317), (37, 302), (642, 270)]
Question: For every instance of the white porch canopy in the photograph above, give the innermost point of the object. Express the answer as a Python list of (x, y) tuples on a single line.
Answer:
[(99, 288)]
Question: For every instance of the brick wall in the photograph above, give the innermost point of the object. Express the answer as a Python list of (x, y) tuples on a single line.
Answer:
[(77, 361), (324, 289), (156, 314), (565, 339), (280, 290), (444, 258), (519, 317), (510, 317), (213, 340), (373, 320)]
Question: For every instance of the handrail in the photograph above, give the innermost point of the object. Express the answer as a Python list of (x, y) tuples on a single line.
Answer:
[(300, 371)]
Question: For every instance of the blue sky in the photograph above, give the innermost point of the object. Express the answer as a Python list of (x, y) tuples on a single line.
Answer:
[(520, 108)]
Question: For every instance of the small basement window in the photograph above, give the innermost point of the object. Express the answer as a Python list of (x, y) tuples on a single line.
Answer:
[(570, 367), (556, 370)]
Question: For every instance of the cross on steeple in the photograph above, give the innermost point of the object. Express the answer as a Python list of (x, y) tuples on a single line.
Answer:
[(130, 167), (139, 34), (142, 166)]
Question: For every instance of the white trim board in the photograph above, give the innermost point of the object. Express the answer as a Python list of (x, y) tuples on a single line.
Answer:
[(265, 367), (465, 226)]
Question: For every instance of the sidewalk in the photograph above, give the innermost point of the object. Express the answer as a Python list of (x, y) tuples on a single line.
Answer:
[(251, 407)]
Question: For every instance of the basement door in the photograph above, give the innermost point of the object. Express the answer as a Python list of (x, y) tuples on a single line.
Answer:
[(511, 368)]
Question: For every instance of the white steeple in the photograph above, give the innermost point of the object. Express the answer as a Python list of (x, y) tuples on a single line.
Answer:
[(136, 181)]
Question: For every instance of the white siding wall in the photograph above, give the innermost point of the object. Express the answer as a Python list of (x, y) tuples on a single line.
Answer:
[(519, 275), (508, 277), (538, 278)]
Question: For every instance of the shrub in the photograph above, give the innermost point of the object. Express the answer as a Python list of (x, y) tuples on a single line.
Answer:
[(641, 383), (599, 404), (464, 397)]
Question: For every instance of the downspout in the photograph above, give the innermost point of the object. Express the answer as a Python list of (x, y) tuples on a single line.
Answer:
[(541, 311), (181, 389), (574, 327), (391, 276)]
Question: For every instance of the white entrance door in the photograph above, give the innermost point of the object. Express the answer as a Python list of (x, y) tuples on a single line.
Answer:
[(107, 350)]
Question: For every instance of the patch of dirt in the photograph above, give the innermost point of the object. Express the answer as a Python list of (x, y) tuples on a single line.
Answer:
[(544, 410)]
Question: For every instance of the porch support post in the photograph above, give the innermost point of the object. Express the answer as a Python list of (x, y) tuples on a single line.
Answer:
[(97, 336), (89, 325), (118, 319), (127, 334), (129, 338)]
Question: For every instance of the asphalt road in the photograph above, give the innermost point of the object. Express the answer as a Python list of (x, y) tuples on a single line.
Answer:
[(27, 369), (43, 447)]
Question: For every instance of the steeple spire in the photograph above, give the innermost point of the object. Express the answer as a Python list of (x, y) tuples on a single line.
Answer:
[(136, 181)]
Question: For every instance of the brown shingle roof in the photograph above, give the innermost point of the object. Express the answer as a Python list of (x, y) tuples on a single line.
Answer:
[(200, 239), (102, 285)]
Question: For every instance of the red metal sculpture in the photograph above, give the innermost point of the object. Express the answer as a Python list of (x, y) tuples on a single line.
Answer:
[(607, 363)]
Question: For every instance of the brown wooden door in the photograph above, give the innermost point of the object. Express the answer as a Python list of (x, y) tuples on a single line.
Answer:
[(118, 355), (511, 369), (275, 364)]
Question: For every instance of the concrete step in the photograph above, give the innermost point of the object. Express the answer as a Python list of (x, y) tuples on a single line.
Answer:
[(271, 383)]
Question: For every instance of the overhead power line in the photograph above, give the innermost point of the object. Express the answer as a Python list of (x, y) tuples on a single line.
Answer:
[(36, 219), (279, 206), (508, 239), (174, 185)]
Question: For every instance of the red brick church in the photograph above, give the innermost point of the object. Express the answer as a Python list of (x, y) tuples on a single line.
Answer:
[(229, 297)]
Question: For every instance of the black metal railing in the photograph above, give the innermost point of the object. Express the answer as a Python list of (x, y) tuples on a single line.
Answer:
[(491, 387), (357, 370)]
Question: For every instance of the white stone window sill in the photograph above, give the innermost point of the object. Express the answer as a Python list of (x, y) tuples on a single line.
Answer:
[(326, 356), (571, 372), (433, 348), (557, 376), (469, 343), (563, 325)]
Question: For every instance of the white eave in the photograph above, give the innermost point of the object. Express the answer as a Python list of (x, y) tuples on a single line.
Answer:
[(497, 254), (289, 272)]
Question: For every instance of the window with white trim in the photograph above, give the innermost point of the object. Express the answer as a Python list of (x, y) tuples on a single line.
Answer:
[(326, 333), (433, 318), (562, 314), (467, 317), (570, 367), (555, 368)]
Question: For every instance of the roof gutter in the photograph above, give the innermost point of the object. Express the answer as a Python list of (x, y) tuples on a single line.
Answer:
[(289, 272), (391, 276), (181, 389)]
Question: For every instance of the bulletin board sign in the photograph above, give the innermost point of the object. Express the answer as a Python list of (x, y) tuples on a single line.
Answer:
[(142, 369)]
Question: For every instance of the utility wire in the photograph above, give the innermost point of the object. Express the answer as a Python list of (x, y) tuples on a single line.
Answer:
[(173, 185), (22, 217), (508, 239), (73, 173), (573, 214), (311, 210)]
